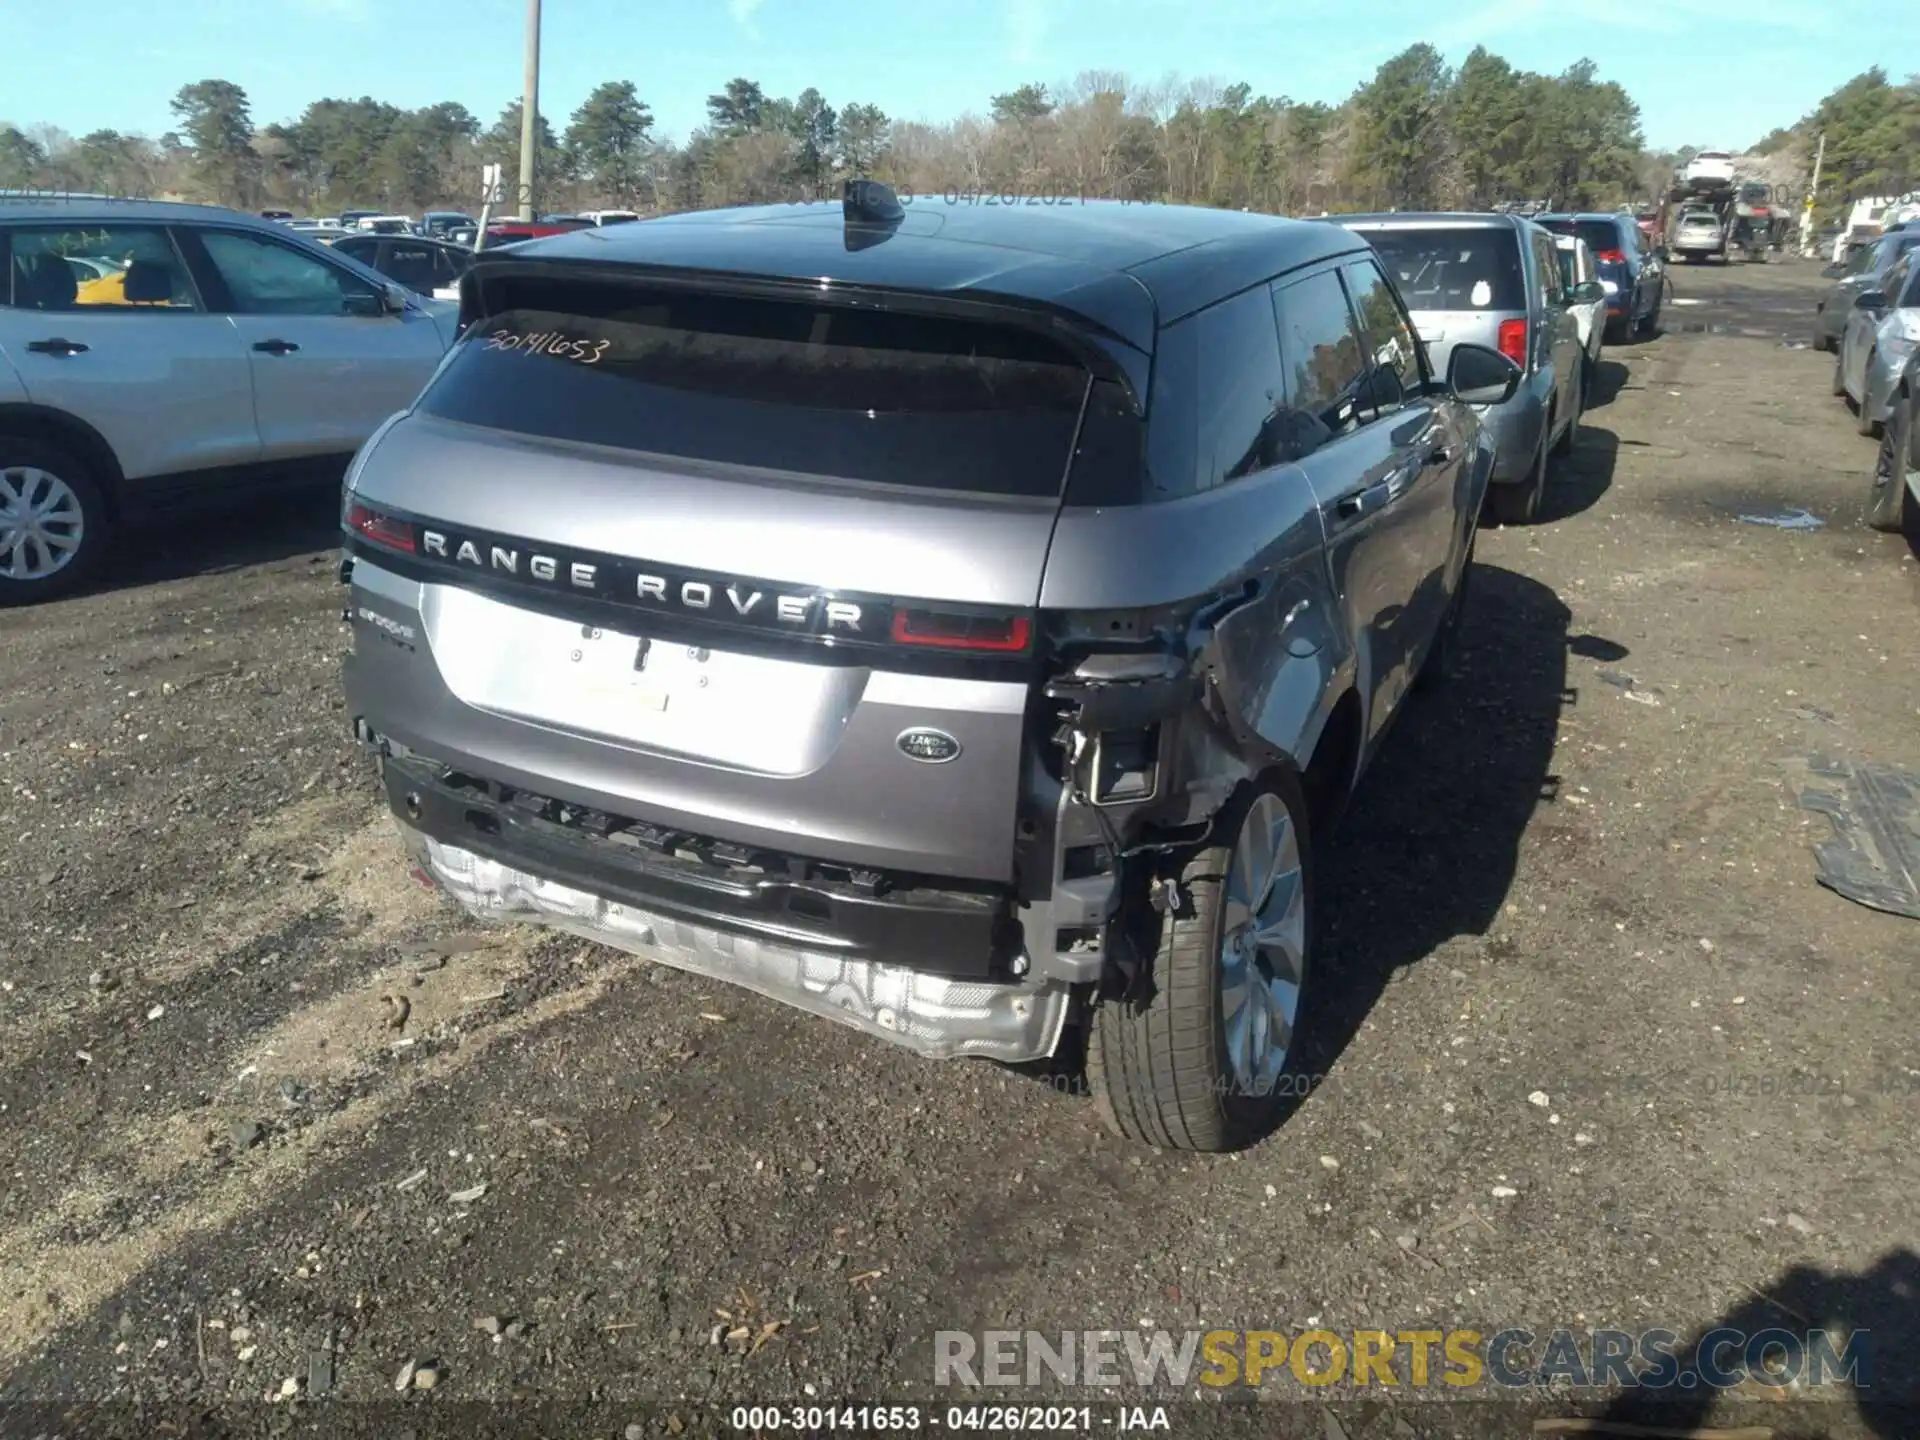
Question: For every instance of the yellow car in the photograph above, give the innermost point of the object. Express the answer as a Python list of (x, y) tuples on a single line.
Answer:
[(111, 290)]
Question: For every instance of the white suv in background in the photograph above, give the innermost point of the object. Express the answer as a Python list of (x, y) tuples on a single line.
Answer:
[(211, 349)]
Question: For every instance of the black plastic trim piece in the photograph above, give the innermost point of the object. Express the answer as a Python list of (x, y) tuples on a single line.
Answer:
[(780, 899)]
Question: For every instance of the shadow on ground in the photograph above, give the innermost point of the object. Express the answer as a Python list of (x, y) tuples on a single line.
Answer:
[(256, 529), (1877, 1309), (1609, 379), (1402, 876), (1577, 481)]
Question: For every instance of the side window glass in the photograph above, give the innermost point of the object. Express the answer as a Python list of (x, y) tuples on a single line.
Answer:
[(1392, 353), (265, 277), (1549, 269), (1217, 384), (1240, 388), (447, 268), (1896, 276), (126, 268), (1326, 378), (411, 265)]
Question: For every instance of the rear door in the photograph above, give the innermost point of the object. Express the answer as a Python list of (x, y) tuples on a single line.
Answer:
[(132, 350), (1365, 464), (329, 362), (1427, 485), (1556, 331)]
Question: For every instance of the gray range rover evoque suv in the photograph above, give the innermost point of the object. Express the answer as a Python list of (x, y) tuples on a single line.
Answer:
[(958, 621)]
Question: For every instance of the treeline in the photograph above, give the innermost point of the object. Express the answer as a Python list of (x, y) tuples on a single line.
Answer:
[(1418, 133), (1872, 128)]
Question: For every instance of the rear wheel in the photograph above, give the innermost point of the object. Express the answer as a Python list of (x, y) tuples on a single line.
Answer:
[(1650, 322), (1564, 445), (1204, 1064), (1891, 501), (1441, 660), (1518, 503), (53, 522), (1863, 421)]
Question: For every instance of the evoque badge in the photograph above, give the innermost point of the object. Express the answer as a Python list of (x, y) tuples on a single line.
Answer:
[(930, 747)]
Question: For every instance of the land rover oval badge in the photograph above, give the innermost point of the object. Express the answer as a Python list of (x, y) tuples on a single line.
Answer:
[(930, 747)]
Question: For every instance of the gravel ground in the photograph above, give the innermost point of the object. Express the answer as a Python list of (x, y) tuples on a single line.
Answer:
[(271, 1111)]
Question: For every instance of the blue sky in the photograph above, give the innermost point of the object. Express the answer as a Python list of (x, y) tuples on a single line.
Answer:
[(1705, 72)]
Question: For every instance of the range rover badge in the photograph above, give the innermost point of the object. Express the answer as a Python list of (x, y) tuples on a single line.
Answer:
[(931, 747)]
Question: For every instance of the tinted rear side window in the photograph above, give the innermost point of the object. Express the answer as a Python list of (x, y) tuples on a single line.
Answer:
[(1599, 234), (1216, 387), (1462, 268), (882, 397), (1326, 393)]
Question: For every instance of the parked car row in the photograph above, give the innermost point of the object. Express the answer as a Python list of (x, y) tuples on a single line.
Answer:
[(1545, 290), (1876, 369)]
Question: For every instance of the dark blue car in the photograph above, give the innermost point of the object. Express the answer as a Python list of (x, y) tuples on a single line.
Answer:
[(1631, 274)]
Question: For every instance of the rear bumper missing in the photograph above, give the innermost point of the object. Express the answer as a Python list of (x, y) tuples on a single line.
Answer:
[(927, 968), (936, 1016)]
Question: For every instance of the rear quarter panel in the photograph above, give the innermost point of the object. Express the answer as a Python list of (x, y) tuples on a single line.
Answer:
[(1284, 658)]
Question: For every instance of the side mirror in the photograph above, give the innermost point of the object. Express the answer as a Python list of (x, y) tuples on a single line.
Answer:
[(1870, 300), (1833, 272), (393, 299), (1478, 375), (1588, 291)]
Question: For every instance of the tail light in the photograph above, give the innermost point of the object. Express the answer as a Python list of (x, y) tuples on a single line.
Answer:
[(1513, 340), (939, 630), (1611, 257), (381, 529)]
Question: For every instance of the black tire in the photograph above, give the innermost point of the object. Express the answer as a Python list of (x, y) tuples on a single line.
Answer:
[(1650, 322), (1160, 1071), (1563, 447), (20, 454), (1518, 503), (1444, 655), (1890, 498), (1863, 421)]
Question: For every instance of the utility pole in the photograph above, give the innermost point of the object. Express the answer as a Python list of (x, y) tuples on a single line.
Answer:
[(1806, 210), (530, 111)]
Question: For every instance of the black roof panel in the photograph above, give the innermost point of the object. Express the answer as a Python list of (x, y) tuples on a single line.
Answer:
[(1124, 266)]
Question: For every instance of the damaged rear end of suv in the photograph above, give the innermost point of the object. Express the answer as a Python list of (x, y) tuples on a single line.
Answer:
[(869, 606)]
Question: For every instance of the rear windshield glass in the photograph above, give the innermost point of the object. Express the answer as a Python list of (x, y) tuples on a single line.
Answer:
[(1599, 234), (898, 399), (1454, 269)]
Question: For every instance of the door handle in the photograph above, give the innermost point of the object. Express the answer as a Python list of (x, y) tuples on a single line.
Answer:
[(276, 347), (56, 346), (1364, 502), (1439, 455)]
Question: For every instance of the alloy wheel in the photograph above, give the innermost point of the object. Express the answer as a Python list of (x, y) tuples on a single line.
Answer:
[(42, 523), (1263, 944)]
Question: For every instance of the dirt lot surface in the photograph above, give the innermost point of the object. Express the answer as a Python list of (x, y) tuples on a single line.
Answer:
[(1597, 1048)]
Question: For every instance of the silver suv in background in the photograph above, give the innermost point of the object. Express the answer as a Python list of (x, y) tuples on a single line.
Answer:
[(1495, 280), (152, 355), (963, 624)]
